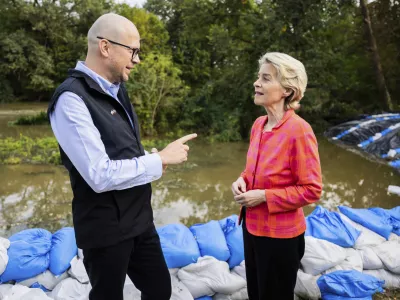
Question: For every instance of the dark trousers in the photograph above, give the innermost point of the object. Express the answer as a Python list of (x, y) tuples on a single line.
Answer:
[(141, 258), (272, 265)]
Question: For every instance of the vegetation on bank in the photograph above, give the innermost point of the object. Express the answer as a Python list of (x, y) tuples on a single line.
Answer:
[(199, 57), (38, 119), (44, 150)]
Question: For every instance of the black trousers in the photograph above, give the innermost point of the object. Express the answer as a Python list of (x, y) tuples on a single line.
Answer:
[(272, 265), (141, 258)]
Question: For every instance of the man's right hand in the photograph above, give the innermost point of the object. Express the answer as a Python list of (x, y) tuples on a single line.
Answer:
[(239, 186), (176, 152)]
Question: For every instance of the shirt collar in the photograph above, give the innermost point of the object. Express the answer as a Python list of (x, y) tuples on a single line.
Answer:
[(108, 87)]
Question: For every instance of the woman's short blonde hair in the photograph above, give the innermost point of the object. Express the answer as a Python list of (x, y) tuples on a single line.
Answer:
[(290, 73)]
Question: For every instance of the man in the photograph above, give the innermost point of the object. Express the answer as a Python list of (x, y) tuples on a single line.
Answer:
[(98, 133)]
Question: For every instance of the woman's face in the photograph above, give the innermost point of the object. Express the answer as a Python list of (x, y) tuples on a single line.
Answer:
[(268, 90)]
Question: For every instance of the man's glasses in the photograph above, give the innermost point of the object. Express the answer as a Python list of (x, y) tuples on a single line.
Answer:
[(135, 51)]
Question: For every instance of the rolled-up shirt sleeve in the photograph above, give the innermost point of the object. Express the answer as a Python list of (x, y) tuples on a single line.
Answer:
[(306, 172), (79, 138)]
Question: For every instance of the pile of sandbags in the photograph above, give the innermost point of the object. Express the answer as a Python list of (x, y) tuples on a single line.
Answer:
[(348, 255)]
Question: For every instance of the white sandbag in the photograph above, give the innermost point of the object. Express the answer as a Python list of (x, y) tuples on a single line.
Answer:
[(46, 279), (209, 276), (367, 238), (173, 271), (392, 281), (394, 237), (80, 253), (71, 289), (321, 255), (4, 245), (353, 261), (130, 291), (306, 286), (389, 253), (20, 292), (179, 290), (370, 260), (238, 295), (4, 289), (78, 270), (240, 270)]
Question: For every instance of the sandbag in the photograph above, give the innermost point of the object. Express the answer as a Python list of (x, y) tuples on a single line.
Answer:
[(389, 216), (28, 254), (389, 254), (321, 255), (337, 297), (353, 261), (392, 281), (209, 276), (211, 240), (368, 219), (234, 239), (306, 286), (20, 292), (240, 270), (78, 270), (71, 289), (370, 260), (367, 238), (4, 289), (45, 280), (62, 251), (178, 245), (204, 298), (238, 295), (130, 291), (349, 284), (4, 245), (179, 290), (325, 225)]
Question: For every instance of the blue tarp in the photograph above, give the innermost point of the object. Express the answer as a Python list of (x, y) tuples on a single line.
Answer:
[(368, 219), (349, 284), (178, 245), (28, 254), (211, 240), (234, 239), (326, 225)]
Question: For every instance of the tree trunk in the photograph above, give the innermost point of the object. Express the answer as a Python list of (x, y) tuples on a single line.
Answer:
[(383, 90)]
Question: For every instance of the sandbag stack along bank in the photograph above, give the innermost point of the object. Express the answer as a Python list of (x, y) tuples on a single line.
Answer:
[(350, 254)]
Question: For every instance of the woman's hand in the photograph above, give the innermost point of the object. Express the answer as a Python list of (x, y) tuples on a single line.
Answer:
[(251, 198), (239, 186)]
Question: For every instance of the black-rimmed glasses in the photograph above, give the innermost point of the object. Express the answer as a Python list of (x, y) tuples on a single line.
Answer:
[(135, 51)]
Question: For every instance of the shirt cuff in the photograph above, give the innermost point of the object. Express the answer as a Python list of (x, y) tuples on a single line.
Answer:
[(153, 165)]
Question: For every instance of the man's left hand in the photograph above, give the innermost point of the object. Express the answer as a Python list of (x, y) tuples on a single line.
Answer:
[(251, 198)]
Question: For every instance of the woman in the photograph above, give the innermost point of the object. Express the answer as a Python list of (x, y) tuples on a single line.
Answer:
[(282, 175)]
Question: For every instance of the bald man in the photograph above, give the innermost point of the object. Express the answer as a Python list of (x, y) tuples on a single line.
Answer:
[(98, 133)]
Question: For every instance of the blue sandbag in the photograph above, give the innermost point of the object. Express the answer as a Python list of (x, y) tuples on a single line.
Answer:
[(336, 297), (234, 239), (386, 217), (63, 250), (29, 254), (368, 219), (325, 225), (37, 285), (204, 298), (349, 283), (211, 240), (178, 245), (395, 217)]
